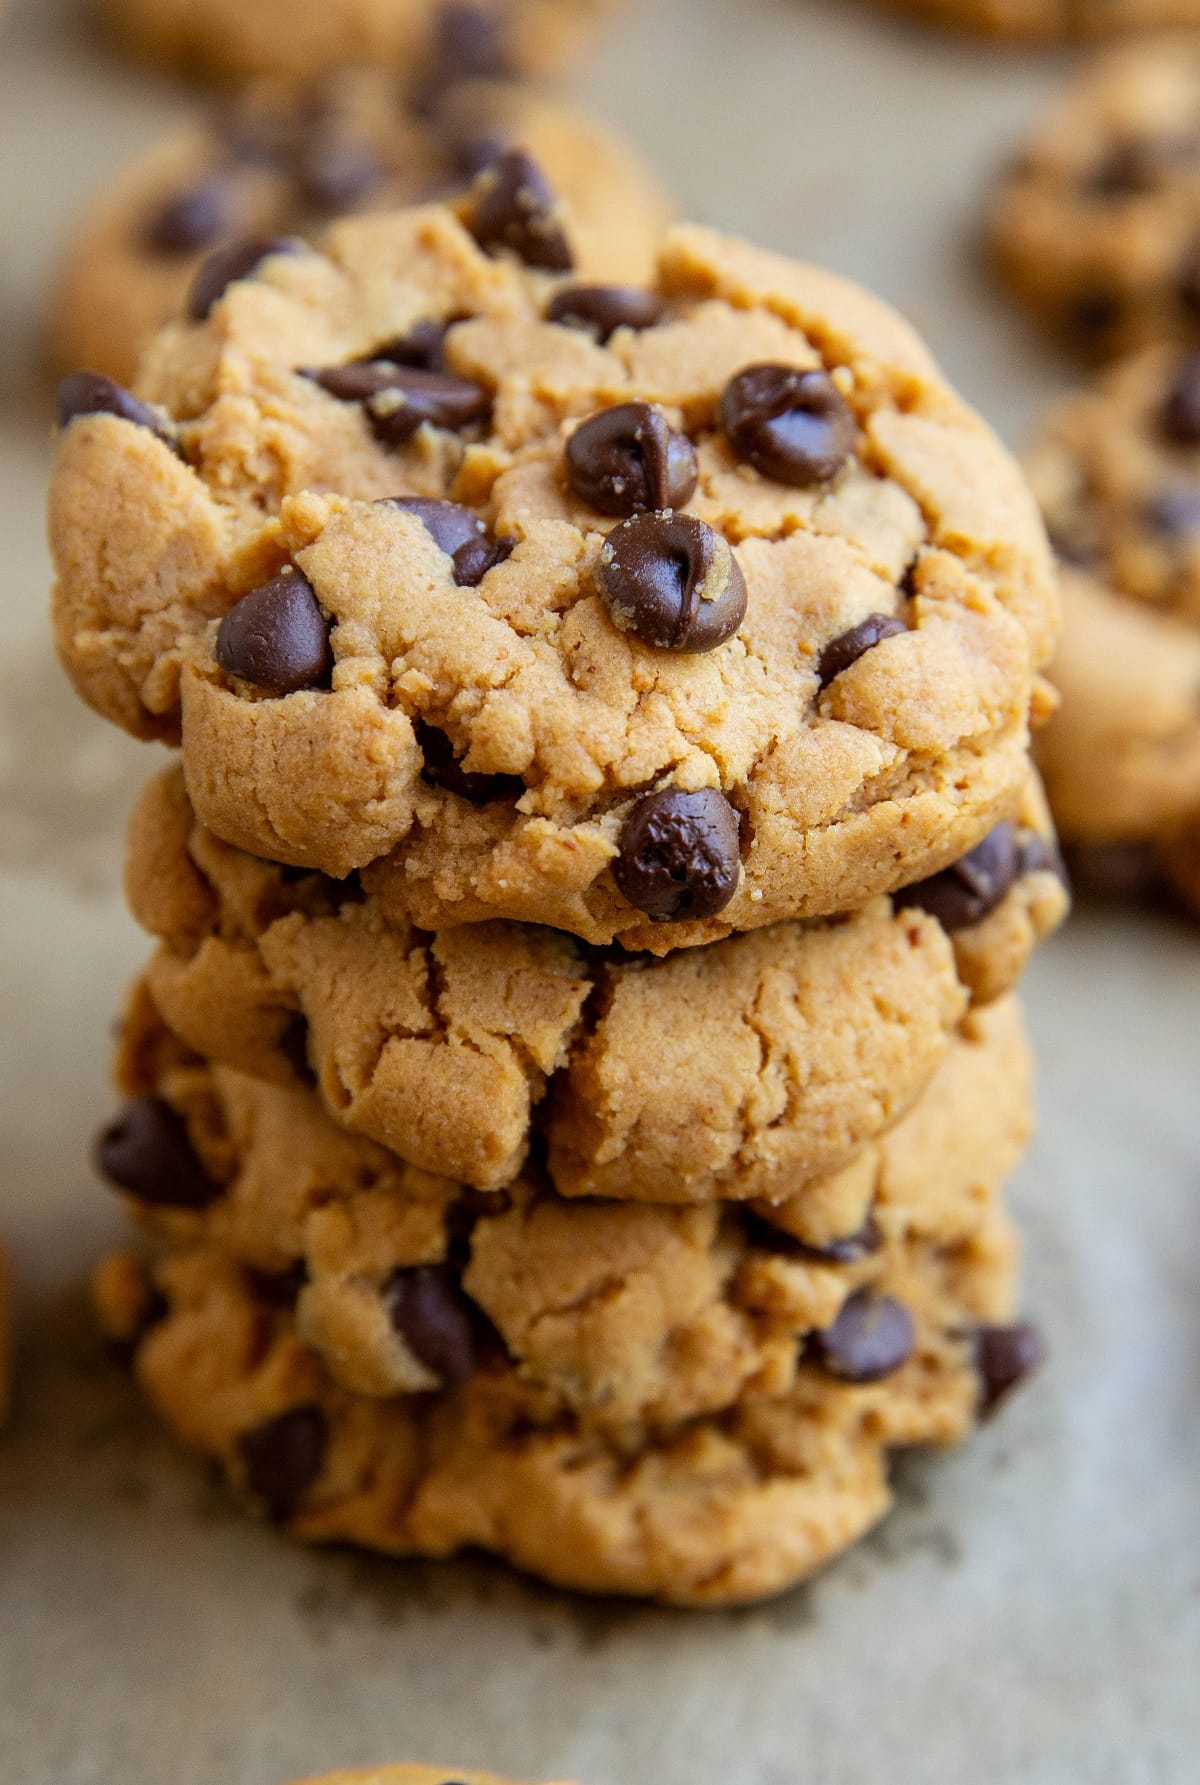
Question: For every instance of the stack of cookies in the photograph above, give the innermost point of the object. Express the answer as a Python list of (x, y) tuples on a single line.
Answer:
[(1097, 228), (576, 1077)]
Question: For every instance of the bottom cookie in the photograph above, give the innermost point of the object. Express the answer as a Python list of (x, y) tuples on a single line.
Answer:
[(716, 1511), (408, 1775)]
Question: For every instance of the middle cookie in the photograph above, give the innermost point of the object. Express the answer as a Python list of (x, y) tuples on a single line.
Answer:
[(734, 1072)]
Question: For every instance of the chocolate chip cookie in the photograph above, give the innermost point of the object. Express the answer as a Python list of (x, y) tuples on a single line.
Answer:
[(715, 1511), (1047, 20), (652, 614), (223, 40), (408, 1775), (1096, 224), (732, 1072), (404, 1283), (282, 160)]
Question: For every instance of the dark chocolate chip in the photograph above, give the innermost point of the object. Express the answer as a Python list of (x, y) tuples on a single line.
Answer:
[(192, 220), (964, 893), (409, 398), (673, 581), (459, 533), (284, 1457), (335, 176), (630, 460), (443, 769), (601, 310), (147, 1153), (277, 637), (679, 856), (469, 45), (91, 393), (791, 425), (1179, 416), (1042, 855), (872, 1337), (515, 209), (1129, 170), (469, 155), (765, 1234), (421, 346), (1004, 1357), (841, 652), (1173, 514), (434, 1318), (240, 260)]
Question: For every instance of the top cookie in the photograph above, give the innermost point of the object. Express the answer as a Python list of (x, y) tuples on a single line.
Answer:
[(1096, 225), (285, 158), (737, 616), (227, 40)]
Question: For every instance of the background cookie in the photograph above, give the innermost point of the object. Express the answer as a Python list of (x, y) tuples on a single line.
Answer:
[(223, 40), (1096, 223), (733, 1072), (1052, 19), (283, 160), (408, 1775), (846, 710), (402, 1283)]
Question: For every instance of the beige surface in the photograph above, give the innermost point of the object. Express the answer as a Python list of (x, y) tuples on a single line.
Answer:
[(1031, 1615)]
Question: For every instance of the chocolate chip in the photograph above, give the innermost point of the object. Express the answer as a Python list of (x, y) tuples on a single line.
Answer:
[(673, 581), (336, 176), (469, 45), (1004, 1357), (855, 1246), (147, 1153), (1093, 314), (228, 265), (434, 1318), (401, 399), (284, 1457), (1129, 170), (1179, 416), (845, 650), (1042, 855), (460, 534), (515, 209), (964, 893), (192, 219), (91, 393), (469, 155), (601, 310), (679, 855), (277, 637), (872, 1337), (443, 769), (1173, 514), (422, 346), (791, 425), (630, 460)]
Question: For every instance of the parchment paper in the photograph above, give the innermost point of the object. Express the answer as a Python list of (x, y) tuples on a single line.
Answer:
[(1032, 1611)]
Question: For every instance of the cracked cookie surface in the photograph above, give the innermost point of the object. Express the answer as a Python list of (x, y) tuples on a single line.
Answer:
[(733, 1072), (224, 40), (717, 1511), (284, 160), (627, 1312), (1096, 224), (497, 736)]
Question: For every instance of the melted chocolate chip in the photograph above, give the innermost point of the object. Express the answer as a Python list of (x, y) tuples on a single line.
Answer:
[(600, 310), (193, 219), (147, 1153), (1179, 416), (673, 581), (460, 534), (763, 1233), (1004, 1357), (841, 652), (434, 1318), (240, 260), (629, 460), (336, 176), (421, 346), (443, 769), (679, 855), (872, 1337), (277, 637), (791, 425), (406, 398), (964, 893), (284, 1457), (91, 393), (515, 210)]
